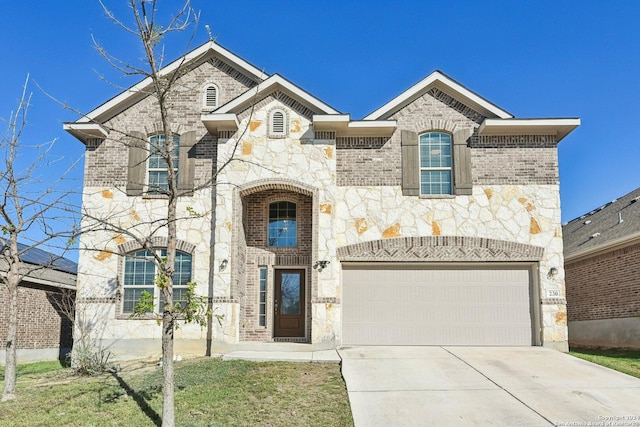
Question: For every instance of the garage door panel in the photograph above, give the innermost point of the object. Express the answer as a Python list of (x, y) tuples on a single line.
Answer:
[(410, 305)]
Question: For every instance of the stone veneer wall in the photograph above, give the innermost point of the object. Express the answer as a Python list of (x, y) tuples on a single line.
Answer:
[(527, 215), (292, 165), (104, 194), (44, 331)]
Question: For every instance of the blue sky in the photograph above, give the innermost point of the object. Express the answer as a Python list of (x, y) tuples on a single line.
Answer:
[(534, 59)]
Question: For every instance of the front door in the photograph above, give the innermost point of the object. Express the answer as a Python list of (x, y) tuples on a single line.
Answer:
[(289, 304)]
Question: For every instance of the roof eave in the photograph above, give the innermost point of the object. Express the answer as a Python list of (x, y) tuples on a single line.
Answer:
[(560, 127), (275, 82), (216, 122), (344, 126), (84, 131), (139, 91)]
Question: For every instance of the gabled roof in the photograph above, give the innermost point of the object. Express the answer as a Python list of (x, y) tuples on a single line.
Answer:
[(446, 84), (273, 83), (137, 92), (225, 117), (613, 224)]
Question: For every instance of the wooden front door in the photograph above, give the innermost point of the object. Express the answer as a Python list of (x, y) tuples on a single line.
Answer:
[(289, 303)]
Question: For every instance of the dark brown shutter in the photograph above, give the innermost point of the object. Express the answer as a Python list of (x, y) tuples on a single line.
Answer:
[(410, 163), (137, 142), (462, 182), (186, 169)]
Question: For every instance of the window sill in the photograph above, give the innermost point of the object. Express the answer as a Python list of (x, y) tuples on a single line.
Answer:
[(437, 196)]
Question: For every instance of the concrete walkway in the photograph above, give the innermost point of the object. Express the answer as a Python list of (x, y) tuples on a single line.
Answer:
[(450, 386)]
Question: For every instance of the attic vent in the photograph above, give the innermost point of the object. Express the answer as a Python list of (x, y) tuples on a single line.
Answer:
[(594, 235), (587, 222), (635, 199), (211, 96), (277, 122)]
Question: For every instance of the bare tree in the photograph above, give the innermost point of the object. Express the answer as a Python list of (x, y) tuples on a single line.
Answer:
[(31, 202), (164, 82)]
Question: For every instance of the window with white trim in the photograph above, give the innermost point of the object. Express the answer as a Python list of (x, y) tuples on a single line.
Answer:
[(158, 169), (435, 163), (210, 96), (277, 123), (140, 274)]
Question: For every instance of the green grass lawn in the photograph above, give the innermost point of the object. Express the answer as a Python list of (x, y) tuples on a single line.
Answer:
[(627, 361), (209, 392)]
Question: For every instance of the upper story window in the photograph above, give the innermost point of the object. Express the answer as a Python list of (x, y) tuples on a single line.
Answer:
[(210, 97), (140, 275), (435, 163), (282, 224), (158, 170), (277, 123)]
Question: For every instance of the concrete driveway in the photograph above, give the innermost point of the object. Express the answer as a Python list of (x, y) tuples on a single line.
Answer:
[(515, 386)]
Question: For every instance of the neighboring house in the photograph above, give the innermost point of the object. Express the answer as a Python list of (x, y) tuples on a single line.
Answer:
[(602, 273), (433, 220), (45, 295)]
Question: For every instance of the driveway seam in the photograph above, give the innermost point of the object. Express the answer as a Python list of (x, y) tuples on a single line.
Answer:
[(499, 386)]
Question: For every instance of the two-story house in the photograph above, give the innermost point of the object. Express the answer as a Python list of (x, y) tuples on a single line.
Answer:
[(434, 220)]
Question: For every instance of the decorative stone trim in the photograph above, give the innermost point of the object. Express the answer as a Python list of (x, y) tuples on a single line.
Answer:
[(93, 143), (225, 134), (324, 134), (96, 300), (158, 128), (513, 141), (325, 300), (233, 72), (456, 105), (361, 141), (222, 300), (553, 301), (284, 99), (156, 242), (440, 248), (276, 184)]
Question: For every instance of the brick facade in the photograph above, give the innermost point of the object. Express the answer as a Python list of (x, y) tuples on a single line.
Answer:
[(259, 254), (41, 323), (495, 160), (344, 176), (605, 286)]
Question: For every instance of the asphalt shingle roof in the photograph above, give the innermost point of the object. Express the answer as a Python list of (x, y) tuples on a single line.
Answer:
[(39, 257), (602, 225)]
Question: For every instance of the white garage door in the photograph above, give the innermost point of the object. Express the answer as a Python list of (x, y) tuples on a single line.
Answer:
[(418, 305)]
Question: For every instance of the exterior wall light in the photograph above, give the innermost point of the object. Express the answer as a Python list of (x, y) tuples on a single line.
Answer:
[(320, 265), (553, 272), (223, 264)]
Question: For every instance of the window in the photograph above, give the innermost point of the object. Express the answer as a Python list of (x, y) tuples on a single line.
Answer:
[(282, 224), (435, 163), (210, 96), (277, 120), (140, 275), (262, 313), (158, 169)]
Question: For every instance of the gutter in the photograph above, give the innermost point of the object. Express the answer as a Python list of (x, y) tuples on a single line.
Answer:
[(614, 244)]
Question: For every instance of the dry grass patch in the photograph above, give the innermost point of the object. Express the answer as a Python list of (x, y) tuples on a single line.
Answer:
[(209, 392)]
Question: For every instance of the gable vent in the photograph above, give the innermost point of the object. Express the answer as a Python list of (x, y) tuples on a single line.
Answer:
[(277, 123), (211, 97)]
